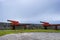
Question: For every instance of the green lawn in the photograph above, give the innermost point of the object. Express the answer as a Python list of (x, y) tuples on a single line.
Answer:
[(4, 32)]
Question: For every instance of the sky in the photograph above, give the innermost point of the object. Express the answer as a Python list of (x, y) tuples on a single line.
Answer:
[(30, 11)]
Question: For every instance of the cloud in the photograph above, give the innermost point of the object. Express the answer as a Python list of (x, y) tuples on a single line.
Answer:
[(30, 10)]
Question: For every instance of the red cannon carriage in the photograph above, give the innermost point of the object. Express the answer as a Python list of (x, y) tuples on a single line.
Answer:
[(46, 24)]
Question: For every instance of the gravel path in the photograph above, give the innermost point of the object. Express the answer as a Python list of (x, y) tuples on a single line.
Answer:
[(31, 36)]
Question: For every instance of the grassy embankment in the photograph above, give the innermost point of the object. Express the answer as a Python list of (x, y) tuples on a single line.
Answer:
[(4, 32)]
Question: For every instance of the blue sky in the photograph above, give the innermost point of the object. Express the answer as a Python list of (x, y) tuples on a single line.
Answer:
[(30, 11)]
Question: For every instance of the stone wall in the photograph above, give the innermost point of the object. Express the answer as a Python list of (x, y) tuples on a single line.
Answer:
[(30, 26)]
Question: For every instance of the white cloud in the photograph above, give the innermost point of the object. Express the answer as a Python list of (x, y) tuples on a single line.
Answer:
[(30, 10)]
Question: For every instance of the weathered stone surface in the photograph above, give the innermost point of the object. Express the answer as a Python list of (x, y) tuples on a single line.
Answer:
[(32, 36)]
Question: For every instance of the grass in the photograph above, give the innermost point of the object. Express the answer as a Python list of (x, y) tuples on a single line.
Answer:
[(4, 32)]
